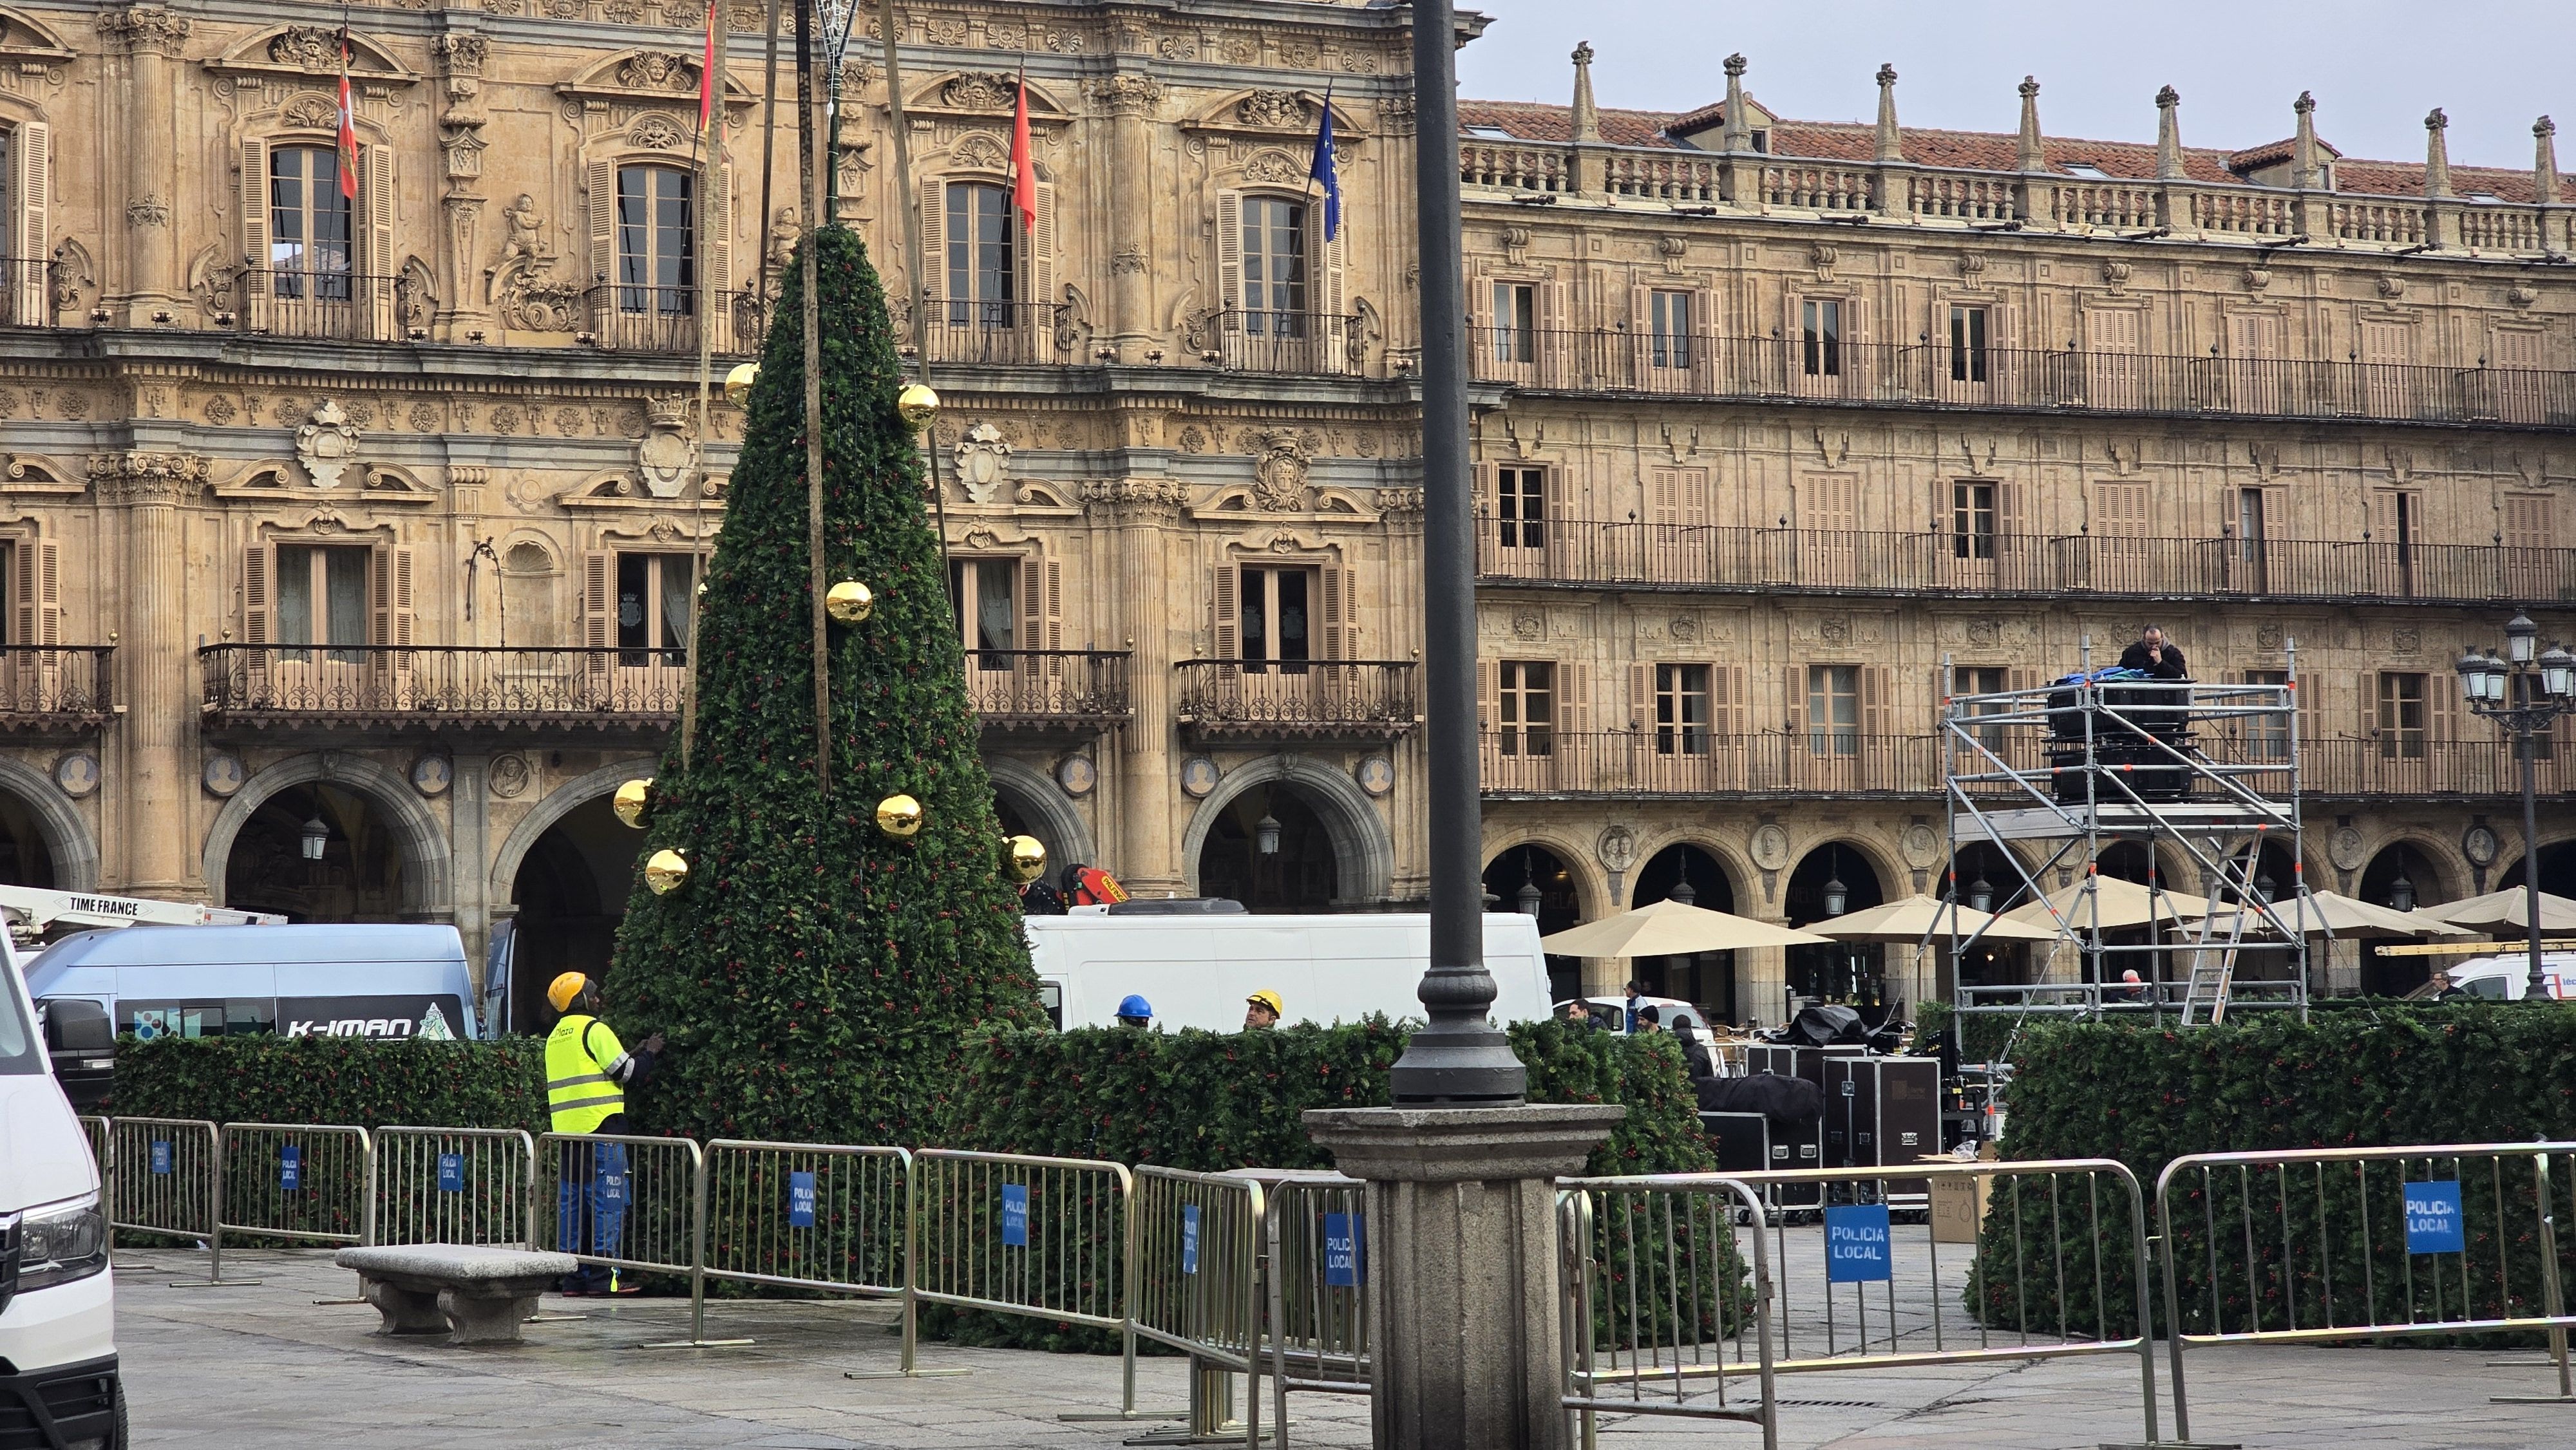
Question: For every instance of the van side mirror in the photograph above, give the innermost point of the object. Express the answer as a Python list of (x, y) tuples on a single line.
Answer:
[(81, 1039)]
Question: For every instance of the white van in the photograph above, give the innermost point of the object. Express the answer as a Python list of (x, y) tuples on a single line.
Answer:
[(2505, 979), (57, 1300), (1195, 970), (383, 981)]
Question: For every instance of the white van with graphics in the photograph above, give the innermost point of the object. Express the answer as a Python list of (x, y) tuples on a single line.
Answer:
[(57, 1300), (384, 982)]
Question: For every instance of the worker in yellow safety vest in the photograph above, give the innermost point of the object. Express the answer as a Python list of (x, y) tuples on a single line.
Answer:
[(587, 1073)]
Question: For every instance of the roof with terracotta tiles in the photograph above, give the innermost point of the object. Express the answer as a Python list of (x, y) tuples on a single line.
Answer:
[(1978, 150)]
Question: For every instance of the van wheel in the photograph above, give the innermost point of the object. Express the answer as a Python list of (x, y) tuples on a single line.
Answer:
[(116, 1436)]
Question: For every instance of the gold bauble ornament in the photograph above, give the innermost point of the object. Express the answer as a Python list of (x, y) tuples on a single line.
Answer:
[(918, 405), (631, 800), (849, 601), (666, 871), (738, 383), (1025, 861), (899, 816)]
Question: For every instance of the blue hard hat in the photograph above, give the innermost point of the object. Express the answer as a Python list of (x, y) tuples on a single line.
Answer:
[(1135, 1006)]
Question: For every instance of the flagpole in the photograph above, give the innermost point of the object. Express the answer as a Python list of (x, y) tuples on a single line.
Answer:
[(712, 203), (809, 134), (768, 155), (909, 204)]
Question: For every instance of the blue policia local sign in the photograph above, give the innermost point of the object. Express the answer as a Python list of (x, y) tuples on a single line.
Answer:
[(290, 1168), (1189, 1238), (1015, 1215), (160, 1155), (1343, 1259), (2433, 1218), (1856, 1248), (800, 1200), (451, 1173)]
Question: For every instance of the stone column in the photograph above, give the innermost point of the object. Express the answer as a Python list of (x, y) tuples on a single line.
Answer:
[(1130, 101), (150, 38), (460, 139), (1147, 857), (153, 784), (1459, 1254), (470, 833)]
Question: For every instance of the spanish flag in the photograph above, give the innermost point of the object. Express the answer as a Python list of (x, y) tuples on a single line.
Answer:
[(1024, 171), (348, 126)]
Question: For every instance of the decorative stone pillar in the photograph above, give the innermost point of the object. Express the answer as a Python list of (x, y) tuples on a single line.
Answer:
[(470, 831), (1459, 1258), (460, 140), (1584, 165), (2441, 206), (1143, 512), (1130, 100), (148, 38), (2169, 173), (1888, 181), (2544, 185), (2307, 211), (153, 787), (2030, 158), (1741, 169)]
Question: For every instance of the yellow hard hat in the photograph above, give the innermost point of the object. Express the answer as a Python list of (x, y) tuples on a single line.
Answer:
[(1270, 999), (562, 990)]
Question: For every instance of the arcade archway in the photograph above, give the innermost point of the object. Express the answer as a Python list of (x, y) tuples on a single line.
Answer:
[(1534, 880), (2404, 877), (317, 852), (571, 889), (1832, 880), (1269, 849), (1692, 876)]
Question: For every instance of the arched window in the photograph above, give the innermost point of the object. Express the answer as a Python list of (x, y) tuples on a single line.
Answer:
[(656, 240), (311, 243), (983, 256)]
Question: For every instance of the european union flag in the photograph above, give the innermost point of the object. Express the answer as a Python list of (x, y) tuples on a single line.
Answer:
[(1321, 169)]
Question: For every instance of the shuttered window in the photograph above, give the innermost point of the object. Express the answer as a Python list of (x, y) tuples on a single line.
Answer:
[(310, 248), (1274, 267), (1968, 358), (1520, 507), (656, 240), (322, 599), (1833, 710), (1821, 337), (984, 594), (1515, 322), (983, 254), (1681, 710), (1525, 709), (1670, 316), (2401, 716), (654, 594), (1972, 520)]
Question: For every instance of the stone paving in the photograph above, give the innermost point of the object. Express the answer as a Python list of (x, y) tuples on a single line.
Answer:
[(264, 1365)]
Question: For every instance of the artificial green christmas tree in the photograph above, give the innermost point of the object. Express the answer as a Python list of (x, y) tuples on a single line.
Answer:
[(815, 975)]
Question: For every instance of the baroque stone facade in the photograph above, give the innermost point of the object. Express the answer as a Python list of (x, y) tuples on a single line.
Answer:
[(374, 511)]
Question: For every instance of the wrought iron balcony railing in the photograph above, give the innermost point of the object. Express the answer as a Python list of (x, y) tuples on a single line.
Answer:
[(1048, 689), (665, 320), (56, 687), (475, 687), (1541, 762), (27, 291), (1937, 374), (1581, 551), (1298, 699), (321, 303), (991, 333), (1298, 343)]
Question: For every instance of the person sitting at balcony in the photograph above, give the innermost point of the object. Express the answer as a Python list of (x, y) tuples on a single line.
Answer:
[(2154, 656)]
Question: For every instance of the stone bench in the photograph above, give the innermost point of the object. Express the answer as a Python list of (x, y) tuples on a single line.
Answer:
[(473, 1294)]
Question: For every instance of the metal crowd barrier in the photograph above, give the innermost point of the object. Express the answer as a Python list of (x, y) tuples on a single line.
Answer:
[(456, 1186), (1196, 1285), (628, 1204), (1048, 1238), (1655, 1303), (96, 1130), (280, 1180), (170, 1184), (804, 1216), (1315, 1232), (2365, 1243)]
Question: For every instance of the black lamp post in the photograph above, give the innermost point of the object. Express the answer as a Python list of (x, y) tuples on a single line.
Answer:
[(2524, 693)]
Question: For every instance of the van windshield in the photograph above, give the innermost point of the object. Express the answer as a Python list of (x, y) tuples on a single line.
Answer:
[(20, 1052)]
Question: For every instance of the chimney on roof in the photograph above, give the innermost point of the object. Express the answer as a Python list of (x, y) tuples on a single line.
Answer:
[(1891, 145), (2544, 161), (2437, 155), (1587, 116), (1738, 135), (2303, 149), (2169, 135), (2027, 155)]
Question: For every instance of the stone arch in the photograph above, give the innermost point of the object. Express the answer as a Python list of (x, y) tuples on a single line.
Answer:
[(1068, 835), (68, 837), (1743, 882), (1363, 847), (1591, 883), (428, 888), (558, 803), (2452, 878)]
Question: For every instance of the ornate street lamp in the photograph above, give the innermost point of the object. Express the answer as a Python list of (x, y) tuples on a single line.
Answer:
[(2401, 892), (1529, 896), (1682, 893), (1981, 895), (2524, 693), (1837, 895), (1265, 834), (316, 837)]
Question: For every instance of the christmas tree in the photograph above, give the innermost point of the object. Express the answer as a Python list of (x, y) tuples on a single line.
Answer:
[(816, 975)]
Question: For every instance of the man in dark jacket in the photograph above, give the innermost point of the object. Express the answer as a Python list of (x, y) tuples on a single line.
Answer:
[(2155, 657)]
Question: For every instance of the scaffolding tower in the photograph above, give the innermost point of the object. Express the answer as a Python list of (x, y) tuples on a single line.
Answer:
[(2053, 777)]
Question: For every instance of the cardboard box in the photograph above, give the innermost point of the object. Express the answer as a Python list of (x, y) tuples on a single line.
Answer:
[(1959, 1200)]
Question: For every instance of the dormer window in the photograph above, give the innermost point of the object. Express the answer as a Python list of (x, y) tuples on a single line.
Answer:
[(1762, 141), (2084, 169), (1489, 133)]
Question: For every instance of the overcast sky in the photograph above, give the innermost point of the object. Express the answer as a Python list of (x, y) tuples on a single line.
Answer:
[(2376, 66)]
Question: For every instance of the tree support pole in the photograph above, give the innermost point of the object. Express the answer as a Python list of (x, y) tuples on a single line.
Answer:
[(807, 98)]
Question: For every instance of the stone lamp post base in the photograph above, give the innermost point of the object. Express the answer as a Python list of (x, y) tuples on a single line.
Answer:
[(1460, 1264)]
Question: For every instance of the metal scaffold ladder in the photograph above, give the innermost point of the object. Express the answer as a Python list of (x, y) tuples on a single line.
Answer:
[(2213, 959)]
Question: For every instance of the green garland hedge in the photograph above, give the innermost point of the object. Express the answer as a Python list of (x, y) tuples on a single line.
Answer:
[(494, 1084), (2378, 1075)]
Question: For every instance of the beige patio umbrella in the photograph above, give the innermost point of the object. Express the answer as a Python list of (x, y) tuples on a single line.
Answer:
[(1671, 928), (2117, 903), (1917, 916), (2331, 913), (2505, 911)]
